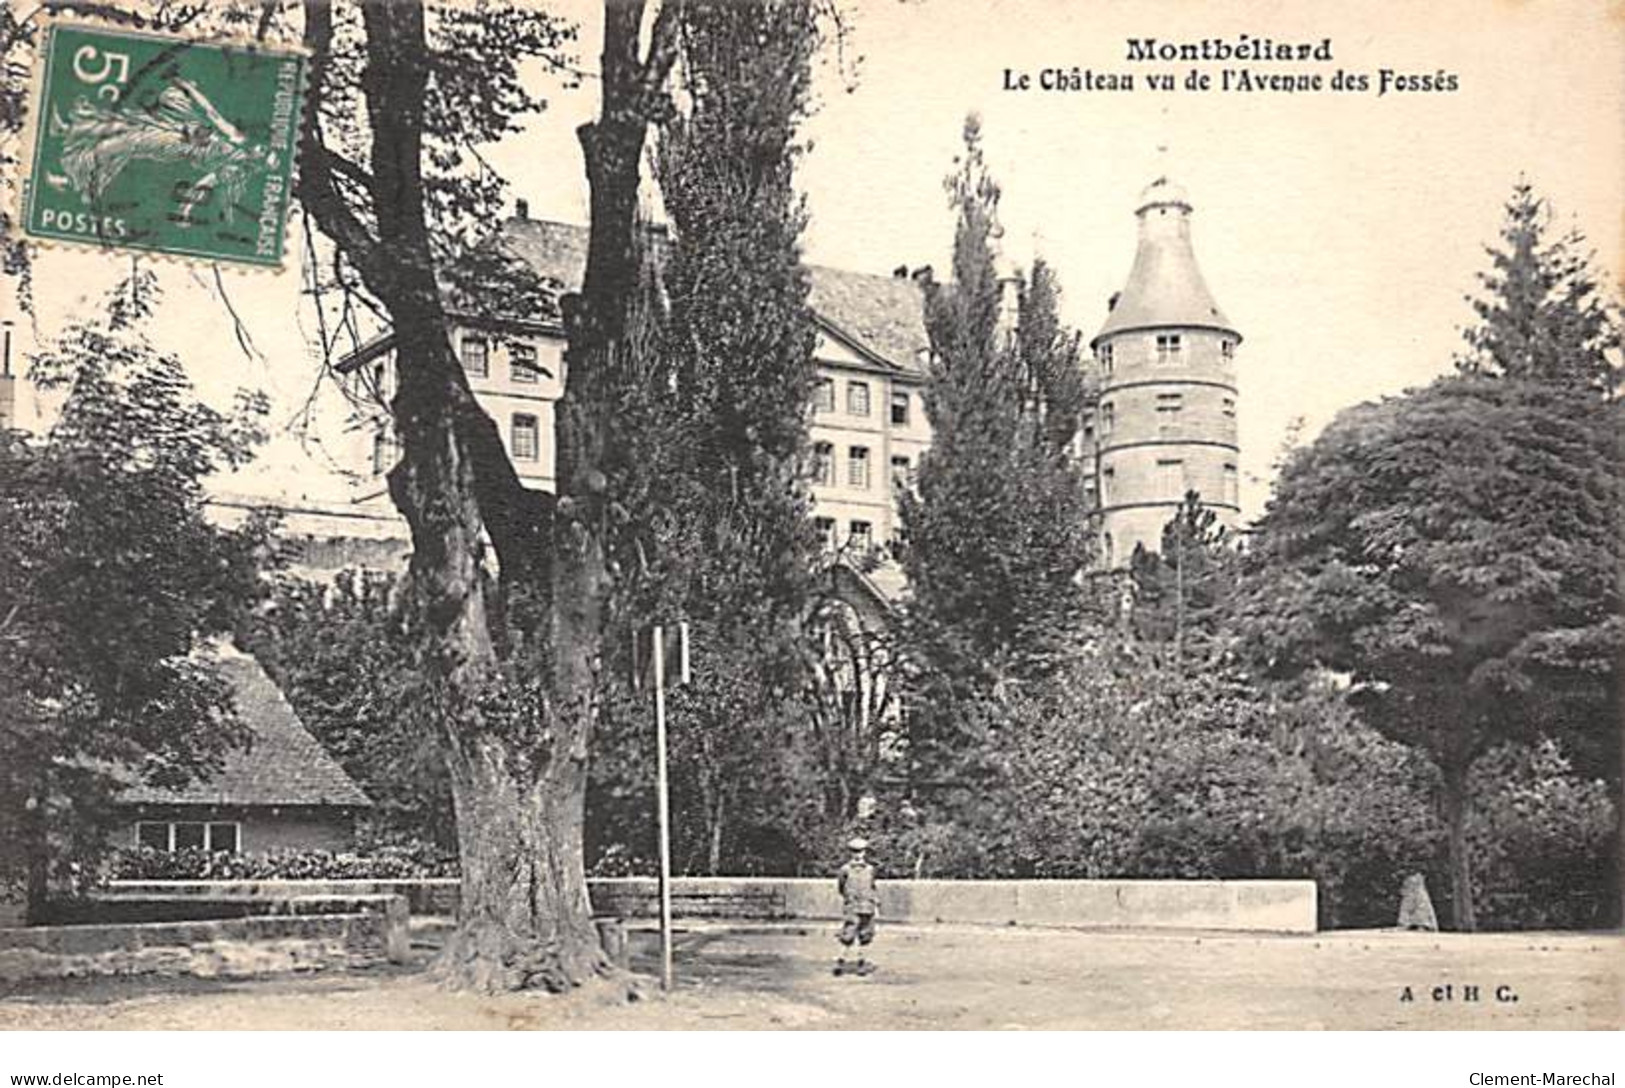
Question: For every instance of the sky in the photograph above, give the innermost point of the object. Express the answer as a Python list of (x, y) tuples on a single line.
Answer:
[(1339, 230)]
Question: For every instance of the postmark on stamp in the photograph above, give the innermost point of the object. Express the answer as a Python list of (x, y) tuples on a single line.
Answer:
[(155, 142)]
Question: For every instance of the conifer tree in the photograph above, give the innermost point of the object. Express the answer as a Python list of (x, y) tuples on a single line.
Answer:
[(995, 533)]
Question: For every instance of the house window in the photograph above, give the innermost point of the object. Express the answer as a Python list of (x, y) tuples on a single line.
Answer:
[(823, 463), (824, 395), (862, 536), (826, 532), (857, 398), (1171, 477), (899, 409), (899, 471), (476, 357), (525, 438), (857, 466), (1168, 346), (172, 835), (522, 364)]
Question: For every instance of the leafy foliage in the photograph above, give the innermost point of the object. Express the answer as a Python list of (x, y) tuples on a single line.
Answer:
[(340, 655), (995, 532), (718, 470), (385, 863), (1183, 591), (110, 578)]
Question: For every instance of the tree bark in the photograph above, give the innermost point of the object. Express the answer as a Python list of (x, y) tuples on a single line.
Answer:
[(1454, 799), (516, 650)]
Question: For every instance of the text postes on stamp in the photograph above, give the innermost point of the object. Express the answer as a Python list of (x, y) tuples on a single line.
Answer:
[(155, 142)]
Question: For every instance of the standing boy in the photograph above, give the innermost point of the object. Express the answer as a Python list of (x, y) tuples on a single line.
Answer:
[(860, 902)]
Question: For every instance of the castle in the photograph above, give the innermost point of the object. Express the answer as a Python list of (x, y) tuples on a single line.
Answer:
[(1164, 364)]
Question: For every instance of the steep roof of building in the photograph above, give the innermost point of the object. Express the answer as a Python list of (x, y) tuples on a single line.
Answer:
[(1165, 287), (883, 316), (282, 765)]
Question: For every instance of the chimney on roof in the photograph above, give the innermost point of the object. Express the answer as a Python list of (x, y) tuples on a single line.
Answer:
[(922, 275), (521, 208), (900, 272)]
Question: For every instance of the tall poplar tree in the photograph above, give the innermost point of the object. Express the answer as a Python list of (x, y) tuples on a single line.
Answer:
[(995, 531)]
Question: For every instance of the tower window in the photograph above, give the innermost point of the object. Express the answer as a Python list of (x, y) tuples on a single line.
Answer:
[(1231, 486), (1106, 549), (857, 398), (899, 409), (1108, 484), (1169, 405), (476, 357), (1227, 348), (824, 395), (1108, 419), (1168, 345), (1104, 354), (857, 466), (525, 438), (1229, 407), (823, 463), (1171, 477)]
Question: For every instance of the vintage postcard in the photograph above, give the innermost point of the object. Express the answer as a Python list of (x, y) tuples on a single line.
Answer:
[(894, 514)]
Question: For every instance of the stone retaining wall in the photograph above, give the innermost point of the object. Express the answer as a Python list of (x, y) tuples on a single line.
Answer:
[(1267, 906), (230, 947)]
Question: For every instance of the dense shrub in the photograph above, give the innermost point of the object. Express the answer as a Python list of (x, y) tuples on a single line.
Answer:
[(390, 863), (1543, 842)]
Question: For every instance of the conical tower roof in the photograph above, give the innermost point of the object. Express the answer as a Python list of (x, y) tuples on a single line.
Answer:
[(1165, 286)]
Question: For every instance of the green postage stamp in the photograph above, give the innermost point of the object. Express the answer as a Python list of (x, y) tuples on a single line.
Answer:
[(155, 142)]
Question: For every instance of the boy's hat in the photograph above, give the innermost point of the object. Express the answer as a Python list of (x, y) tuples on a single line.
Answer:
[(858, 844)]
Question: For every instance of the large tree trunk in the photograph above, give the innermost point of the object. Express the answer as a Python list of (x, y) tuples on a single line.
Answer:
[(1454, 801), (515, 650)]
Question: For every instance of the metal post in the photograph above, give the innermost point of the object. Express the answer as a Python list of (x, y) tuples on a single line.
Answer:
[(663, 803)]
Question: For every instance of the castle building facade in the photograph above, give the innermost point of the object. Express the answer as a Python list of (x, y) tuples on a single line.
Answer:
[(1164, 422), (1165, 367)]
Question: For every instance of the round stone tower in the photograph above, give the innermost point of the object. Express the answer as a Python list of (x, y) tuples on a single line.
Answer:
[(1166, 359)]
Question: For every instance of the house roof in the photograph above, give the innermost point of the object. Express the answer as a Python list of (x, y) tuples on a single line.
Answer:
[(282, 765), (880, 316)]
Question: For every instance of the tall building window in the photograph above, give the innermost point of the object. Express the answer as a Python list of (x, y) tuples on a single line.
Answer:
[(476, 357), (525, 438), (1171, 478), (899, 471), (826, 532), (857, 466), (899, 409), (824, 395), (857, 398), (823, 463), (522, 363), (1168, 346), (385, 451), (862, 536)]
